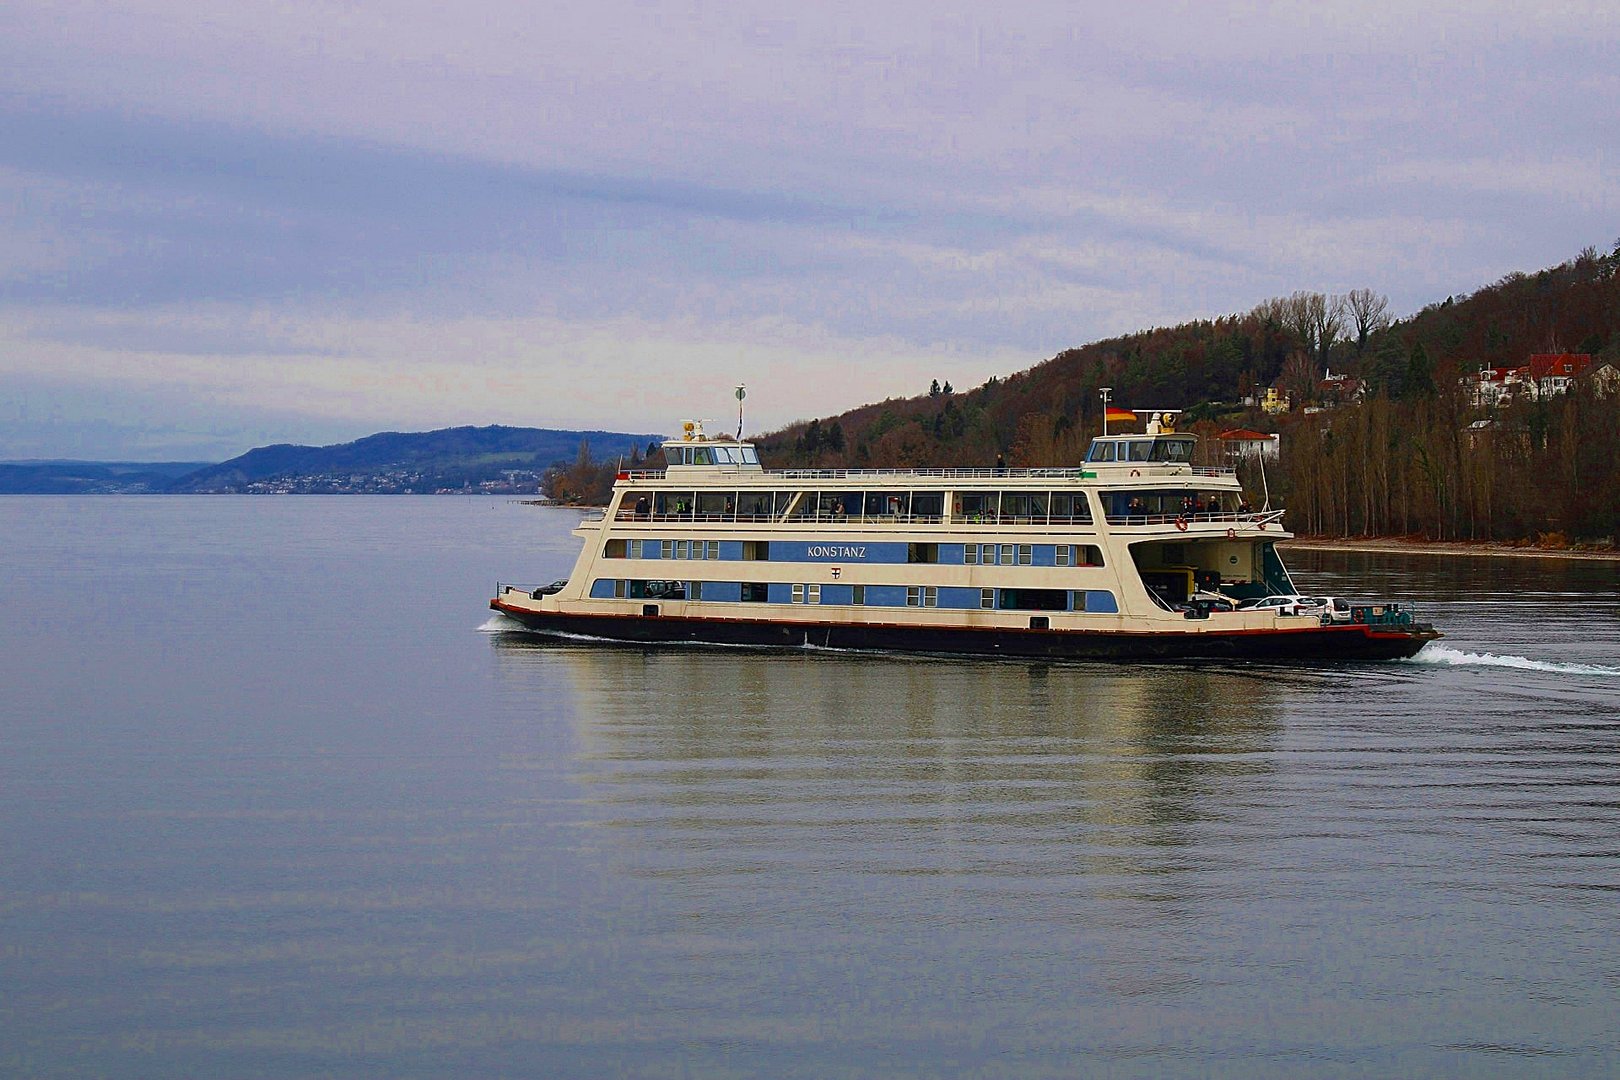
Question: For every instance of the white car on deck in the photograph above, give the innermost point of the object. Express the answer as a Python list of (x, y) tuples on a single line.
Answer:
[(1286, 604), (1333, 608)]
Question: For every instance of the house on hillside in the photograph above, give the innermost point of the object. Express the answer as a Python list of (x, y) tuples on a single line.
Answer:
[(1544, 375), (1554, 373), (1242, 444), (1478, 433), (1338, 389), (1483, 433), (1276, 401), (1604, 378), (1494, 385)]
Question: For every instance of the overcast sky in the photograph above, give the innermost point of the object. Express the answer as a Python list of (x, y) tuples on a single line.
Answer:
[(223, 225)]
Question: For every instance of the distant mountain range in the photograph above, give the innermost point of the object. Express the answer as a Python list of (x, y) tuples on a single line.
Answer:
[(490, 459)]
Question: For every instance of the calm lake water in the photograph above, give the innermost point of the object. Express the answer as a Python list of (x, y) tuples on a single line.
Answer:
[(275, 801)]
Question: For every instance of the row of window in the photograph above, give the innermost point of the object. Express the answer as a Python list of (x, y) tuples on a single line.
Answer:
[(1161, 448), (917, 596), (1150, 503), (1024, 554), (664, 549), (710, 454), (1028, 507), (800, 551)]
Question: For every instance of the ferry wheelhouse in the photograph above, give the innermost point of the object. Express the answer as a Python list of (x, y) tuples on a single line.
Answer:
[(1136, 554)]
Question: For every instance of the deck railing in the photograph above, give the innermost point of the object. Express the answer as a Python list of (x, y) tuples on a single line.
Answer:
[(528, 589), (1084, 472), (1261, 519), (822, 518)]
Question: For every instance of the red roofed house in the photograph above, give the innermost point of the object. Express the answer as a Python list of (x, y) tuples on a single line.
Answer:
[(1338, 389), (1498, 383), (1241, 443), (1552, 373)]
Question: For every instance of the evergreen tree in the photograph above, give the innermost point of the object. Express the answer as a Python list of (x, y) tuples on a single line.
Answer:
[(1419, 372)]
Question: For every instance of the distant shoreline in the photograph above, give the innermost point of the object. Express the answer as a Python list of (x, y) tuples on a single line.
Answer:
[(1397, 546)]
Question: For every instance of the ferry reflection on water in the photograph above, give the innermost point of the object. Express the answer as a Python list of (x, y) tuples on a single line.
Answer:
[(899, 764)]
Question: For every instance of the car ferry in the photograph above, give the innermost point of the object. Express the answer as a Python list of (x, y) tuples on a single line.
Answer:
[(1138, 554)]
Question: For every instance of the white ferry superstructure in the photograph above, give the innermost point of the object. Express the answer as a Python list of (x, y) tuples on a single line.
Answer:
[(1133, 555)]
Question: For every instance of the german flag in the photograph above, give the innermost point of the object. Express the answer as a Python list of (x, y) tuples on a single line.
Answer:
[(1120, 416)]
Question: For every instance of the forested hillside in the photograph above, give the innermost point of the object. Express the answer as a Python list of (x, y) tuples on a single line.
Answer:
[(462, 458), (1402, 458), (91, 477)]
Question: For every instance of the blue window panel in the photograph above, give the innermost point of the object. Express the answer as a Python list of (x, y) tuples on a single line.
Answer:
[(835, 551), (958, 598), (885, 596), (778, 592), (838, 594), (731, 549), (602, 589), (724, 591), (1045, 555), (1100, 602), (951, 553)]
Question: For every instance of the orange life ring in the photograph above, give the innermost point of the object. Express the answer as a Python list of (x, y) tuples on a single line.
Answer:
[(1181, 523)]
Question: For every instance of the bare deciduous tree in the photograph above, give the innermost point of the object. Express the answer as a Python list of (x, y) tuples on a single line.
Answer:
[(1299, 377), (1275, 310), (1299, 316), (1314, 318), (1369, 312), (1327, 323)]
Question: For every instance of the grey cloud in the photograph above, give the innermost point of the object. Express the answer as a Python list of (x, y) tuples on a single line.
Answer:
[(202, 212), (994, 184)]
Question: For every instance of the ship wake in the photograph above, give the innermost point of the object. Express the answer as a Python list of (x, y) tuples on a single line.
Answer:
[(1445, 656), (499, 623)]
